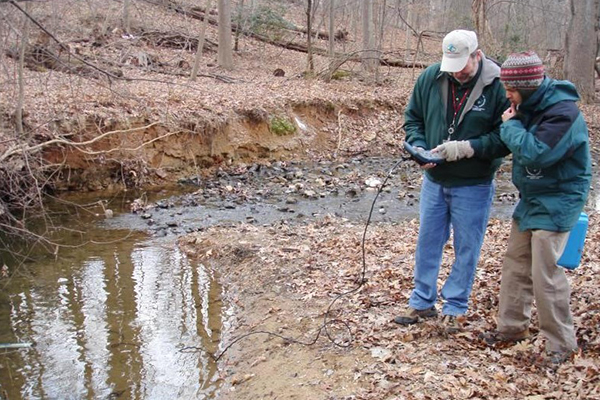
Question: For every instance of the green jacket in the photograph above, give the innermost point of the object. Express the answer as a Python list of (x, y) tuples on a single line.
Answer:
[(426, 124), (551, 158)]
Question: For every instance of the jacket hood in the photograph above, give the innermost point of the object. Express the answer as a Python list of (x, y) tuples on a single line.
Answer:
[(550, 92), (491, 70)]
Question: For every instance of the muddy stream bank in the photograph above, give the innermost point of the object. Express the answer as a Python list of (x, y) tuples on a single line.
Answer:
[(125, 314)]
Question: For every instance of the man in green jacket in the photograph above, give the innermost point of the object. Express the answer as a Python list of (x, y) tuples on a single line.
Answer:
[(455, 109), (548, 138)]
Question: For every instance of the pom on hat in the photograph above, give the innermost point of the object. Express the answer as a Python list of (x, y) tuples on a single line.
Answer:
[(522, 71)]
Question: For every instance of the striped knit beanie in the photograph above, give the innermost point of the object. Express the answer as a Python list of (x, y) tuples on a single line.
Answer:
[(522, 71)]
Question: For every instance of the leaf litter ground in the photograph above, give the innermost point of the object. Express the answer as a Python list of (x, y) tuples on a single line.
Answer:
[(282, 279)]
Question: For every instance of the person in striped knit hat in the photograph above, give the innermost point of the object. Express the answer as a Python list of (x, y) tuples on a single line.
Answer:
[(548, 138), (523, 72)]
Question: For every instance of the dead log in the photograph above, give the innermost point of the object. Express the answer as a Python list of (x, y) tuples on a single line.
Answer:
[(198, 12), (340, 35), (175, 40), (39, 57), (430, 34), (221, 78)]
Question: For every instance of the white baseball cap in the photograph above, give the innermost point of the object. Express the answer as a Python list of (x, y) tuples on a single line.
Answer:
[(457, 47)]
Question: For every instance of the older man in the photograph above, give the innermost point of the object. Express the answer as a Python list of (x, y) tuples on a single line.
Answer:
[(455, 109)]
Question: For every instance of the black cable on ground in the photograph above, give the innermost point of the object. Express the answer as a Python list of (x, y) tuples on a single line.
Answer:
[(326, 321)]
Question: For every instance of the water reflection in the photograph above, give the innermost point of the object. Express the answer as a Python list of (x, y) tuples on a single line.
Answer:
[(110, 322)]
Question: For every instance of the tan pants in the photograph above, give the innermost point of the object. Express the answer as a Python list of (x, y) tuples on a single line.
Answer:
[(530, 271)]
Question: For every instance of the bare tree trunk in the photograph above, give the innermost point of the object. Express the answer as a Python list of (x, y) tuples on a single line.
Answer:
[(346, 21), (478, 8), (355, 12), (201, 41), (126, 22), (241, 25), (380, 37), (506, 33), (310, 61), (382, 26), (407, 32), (21, 66), (581, 46), (315, 8), (369, 54), (331, 27), (225, 51)]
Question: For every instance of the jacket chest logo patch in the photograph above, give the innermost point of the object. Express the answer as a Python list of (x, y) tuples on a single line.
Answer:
[(534, 173), (479, 104)]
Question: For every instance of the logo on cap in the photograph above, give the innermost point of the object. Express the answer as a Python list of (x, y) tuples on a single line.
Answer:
[(451, 48)]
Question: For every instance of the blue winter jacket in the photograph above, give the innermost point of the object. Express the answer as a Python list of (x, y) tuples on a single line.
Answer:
[(551, 158)]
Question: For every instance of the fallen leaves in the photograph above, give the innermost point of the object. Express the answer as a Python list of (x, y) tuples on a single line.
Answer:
[(324, 259)]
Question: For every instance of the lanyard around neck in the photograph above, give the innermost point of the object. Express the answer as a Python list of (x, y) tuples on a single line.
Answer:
[(456, 107)]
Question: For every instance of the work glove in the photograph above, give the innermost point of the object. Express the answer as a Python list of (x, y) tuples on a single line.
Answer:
[(455, 150)]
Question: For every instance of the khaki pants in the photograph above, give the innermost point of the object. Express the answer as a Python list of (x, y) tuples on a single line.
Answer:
[(530, 271)]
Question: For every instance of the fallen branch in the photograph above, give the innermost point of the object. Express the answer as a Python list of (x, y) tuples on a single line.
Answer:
[(175, 40), (32, 149), (221, 78), (341, 59), (15, 345), (124, 149)]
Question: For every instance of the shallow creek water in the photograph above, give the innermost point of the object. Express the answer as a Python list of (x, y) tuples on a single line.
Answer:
[(110, 319), (123, 313)]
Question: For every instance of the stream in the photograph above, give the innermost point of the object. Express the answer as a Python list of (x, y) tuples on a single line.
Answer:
[(121, 312), (110, 319)]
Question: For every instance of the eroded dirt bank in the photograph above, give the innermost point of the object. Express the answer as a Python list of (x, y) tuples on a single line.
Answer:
[(137, 152)]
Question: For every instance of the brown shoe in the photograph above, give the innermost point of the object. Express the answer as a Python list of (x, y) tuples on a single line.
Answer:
[(412, 316), (493, 338), (452, 323)]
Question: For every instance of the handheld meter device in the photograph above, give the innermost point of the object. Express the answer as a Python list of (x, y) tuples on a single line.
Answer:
[(422, 156)]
